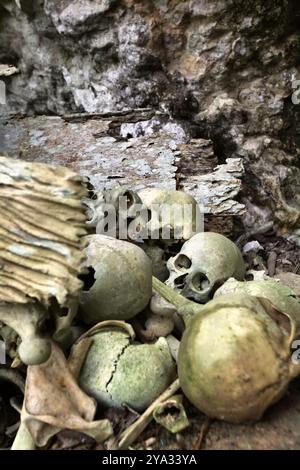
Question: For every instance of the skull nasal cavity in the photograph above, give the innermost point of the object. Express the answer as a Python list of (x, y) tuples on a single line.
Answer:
[(183, 262), (179, 281), (88, 279), (200, 282)]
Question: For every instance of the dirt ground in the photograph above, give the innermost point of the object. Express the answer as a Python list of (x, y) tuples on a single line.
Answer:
[(279, 429)]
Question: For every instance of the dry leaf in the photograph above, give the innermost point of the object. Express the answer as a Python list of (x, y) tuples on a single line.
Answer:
[(53, 401)]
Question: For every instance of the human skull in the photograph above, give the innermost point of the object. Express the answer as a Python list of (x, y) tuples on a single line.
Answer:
[(235, 356), (119, 370), (204, 263), (174, 215), (122, 280), (280, 295), (112, 210)]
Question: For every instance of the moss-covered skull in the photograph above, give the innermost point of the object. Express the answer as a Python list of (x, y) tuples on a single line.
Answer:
[(122, 280), (235, 357), (204, 263), (280, 295), (118, 371)]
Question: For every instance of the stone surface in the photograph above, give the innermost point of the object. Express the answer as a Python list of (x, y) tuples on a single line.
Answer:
[(225, 67), (93, 146), (7, 70)]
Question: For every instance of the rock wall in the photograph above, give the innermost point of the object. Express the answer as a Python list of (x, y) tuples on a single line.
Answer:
[(224, 67)]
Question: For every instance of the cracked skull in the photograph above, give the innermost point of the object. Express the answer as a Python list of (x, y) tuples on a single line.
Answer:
[(118, 370), (204, 263)]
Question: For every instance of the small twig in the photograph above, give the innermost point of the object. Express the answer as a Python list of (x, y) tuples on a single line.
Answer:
[(271, 263), (15, 404), (128, 437), (14, 377), (10, 430), (134, 412), (202, 434)]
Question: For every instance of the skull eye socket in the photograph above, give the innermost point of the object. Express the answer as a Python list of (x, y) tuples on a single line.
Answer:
[(183, 262), (200, 282), (91, 189)]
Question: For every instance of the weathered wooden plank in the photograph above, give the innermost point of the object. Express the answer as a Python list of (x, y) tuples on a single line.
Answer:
[(88, 145), (219, 188)]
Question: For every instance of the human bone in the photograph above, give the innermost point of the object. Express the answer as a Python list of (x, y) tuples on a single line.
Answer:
[(118, 371), (174, 215), (204, 263), (121, 203), (279, 294), (235, 357)]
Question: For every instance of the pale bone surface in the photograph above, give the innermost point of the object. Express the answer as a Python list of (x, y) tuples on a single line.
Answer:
[(204, 263)]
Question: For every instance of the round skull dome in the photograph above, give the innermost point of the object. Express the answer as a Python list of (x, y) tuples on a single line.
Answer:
[(118, 371), (281, 296), (122, 284), (204, 263), (174, 214), (234, 359)]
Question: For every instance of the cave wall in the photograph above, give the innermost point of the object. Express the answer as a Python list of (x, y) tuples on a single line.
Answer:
[(224, 67)]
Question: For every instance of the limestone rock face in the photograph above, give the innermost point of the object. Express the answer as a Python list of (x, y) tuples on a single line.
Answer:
[(226, 67)]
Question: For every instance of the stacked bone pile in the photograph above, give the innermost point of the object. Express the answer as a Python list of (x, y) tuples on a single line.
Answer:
[(164, 306), (231, 325)]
